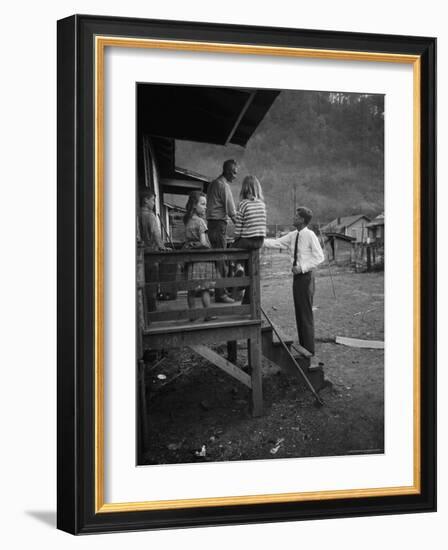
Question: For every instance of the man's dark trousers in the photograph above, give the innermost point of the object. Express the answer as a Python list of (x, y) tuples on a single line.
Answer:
[(217, 230), (303, 292)]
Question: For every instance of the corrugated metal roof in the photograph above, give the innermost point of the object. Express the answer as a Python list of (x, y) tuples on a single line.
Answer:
[(338, 235)]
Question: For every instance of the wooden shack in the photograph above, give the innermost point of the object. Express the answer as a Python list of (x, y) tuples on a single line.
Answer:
[(339, 247), (376, 230), (349, 226)]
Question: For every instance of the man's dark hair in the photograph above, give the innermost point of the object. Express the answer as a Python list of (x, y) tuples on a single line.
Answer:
[(227, 164), (146, 194), (305, 213)]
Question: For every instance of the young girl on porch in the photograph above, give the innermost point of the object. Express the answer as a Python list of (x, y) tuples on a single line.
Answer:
[(250, 226), (196, 237)]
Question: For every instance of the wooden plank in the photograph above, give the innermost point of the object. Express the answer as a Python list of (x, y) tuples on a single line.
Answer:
[(143, 408), (142, 321), (200, 255), (183, 284), (240, 117), (155, 316), (193, 327), (303, 351), (356, 343), (223, 364), (256, 375), (204, 333), (192, 251)]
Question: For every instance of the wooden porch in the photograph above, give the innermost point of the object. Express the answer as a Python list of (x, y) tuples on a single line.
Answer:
[(170, 326)]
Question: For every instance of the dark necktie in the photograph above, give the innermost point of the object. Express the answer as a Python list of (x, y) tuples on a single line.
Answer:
[(295, 249)]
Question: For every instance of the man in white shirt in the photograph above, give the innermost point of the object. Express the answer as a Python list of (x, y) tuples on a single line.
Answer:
[(306, 254)]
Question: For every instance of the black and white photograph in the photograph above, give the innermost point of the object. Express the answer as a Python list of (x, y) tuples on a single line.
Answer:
[(260, 261), (205, 344)]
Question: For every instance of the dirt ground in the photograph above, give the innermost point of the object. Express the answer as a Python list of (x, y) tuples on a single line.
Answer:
[(198, 413)]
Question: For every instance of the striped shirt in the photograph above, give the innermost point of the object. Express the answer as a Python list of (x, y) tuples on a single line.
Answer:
[(251, 219)]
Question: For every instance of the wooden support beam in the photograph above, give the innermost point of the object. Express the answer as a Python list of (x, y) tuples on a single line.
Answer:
[(143, 410), (239, 326), (223, 364), (254, 275), (190, 334), (197, 313), (240, 117), (256, 375), (199, 255)]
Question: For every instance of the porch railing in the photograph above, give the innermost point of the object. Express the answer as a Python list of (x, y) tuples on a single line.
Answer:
[(167, 272)]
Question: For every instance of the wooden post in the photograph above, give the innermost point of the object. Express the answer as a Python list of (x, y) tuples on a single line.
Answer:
[(142, 306), (254, 290), (142, 409), (232, 351), (256, 374), (254, 343), (254, 274), (369, 257)]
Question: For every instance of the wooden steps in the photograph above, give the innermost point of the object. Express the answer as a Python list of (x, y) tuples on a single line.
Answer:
[(275, 352)]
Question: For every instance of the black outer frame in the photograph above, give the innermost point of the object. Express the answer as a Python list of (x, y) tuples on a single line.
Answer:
[(75, 403)]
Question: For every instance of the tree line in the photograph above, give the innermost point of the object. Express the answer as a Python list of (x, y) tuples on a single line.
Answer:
[(322, 149)]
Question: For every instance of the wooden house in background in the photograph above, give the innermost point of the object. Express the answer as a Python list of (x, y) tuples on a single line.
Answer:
[(357, 240), (376, 230), (349, 226), (339, 247)]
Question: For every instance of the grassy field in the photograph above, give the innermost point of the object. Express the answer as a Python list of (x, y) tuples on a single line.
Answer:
[(197, 407)]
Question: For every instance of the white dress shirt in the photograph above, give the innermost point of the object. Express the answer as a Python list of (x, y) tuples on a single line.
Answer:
[(309, 251)]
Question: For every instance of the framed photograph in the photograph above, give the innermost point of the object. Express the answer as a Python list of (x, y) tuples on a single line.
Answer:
[(246, 274)]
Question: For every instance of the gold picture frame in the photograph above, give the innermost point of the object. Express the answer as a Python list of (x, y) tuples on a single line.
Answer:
[(80, 35)]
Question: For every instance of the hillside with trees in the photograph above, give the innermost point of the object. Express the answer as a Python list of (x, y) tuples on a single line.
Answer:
[(322, 149)]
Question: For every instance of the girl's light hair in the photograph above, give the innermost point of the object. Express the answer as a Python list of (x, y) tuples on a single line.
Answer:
[(251, 186)]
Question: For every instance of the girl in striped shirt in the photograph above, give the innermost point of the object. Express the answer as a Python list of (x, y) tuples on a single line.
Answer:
[(250, 225)]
